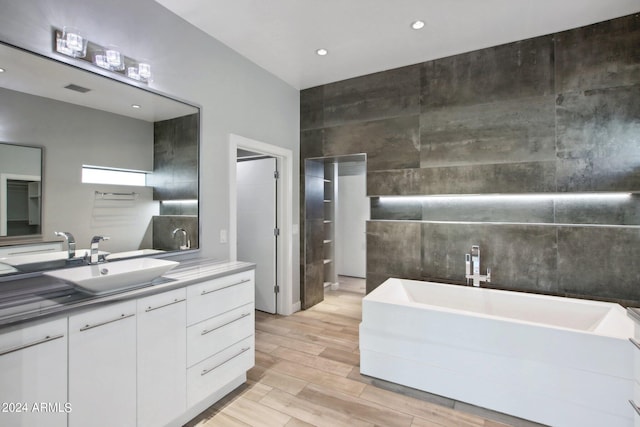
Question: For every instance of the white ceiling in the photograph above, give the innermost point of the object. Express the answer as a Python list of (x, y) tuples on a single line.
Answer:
[(366, 36), (36, 75)]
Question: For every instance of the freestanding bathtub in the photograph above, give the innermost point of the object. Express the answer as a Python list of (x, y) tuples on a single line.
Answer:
[(556, 361)]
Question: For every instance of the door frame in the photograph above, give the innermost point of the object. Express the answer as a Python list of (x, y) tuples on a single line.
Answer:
[(284, 203)]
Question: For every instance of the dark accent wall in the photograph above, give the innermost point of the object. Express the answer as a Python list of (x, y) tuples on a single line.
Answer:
[(175, 158), (163, 227), (553, 114)]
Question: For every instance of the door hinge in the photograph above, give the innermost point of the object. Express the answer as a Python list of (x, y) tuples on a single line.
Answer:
[(276, 232), (276, 289), (276, 174)]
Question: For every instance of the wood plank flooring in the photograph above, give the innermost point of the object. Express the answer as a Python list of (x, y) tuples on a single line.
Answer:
[(307, 373)]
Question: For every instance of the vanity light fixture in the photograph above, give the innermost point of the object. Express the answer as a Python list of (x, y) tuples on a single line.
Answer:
[(136, 106), (322, 52), (141, 73), (70, 42), (417, 25)]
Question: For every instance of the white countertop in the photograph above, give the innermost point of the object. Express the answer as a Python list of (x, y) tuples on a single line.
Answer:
[(40, 297)]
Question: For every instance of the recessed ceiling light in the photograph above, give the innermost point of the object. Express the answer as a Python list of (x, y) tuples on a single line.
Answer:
[(2, 70), (322, 52), (416, 25), (136, 106)]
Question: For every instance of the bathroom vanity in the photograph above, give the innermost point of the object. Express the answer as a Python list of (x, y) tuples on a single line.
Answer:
[(634, 401), (152, 356)]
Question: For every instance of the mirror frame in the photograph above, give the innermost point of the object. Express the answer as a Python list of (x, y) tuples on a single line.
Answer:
[(95, 72)]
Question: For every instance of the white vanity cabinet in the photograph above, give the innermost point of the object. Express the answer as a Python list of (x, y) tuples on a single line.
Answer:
[(220, 334), (635, 400), (102, 366), (33, 381), (162, 381), (156, 360)]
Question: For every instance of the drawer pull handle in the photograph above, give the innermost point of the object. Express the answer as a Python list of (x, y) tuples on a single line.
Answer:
[(22, 347), (122, 317), (633, 404), (225, 287), (175, 301), (206, 371), (206, 331), (634, 342)]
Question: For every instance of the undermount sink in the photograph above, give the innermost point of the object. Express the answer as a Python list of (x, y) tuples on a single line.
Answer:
[(112, 276)]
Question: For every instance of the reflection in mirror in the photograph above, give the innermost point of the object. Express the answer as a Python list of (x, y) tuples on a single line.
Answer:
[(82, 119), (20, 195)]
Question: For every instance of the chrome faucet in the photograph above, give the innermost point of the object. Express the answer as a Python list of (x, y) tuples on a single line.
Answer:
[(185, 238), (71, 242), (94, 248), (472, 264)]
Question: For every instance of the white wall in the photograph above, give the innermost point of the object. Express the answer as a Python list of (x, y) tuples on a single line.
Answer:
[(236, 95), (352, 215)]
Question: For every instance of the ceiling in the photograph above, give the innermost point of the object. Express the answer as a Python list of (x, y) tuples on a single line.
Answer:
[(366, 36), (40, 76)]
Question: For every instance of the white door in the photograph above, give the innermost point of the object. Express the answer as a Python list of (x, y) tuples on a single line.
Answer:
[(353, 213), (257, 221)]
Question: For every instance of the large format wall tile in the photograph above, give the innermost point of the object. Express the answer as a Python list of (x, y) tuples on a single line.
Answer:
[(599, 262), (389, 143), (526, 177), (598, 56), (514, 70), (175, 158), (312, 108), (499, 132), (311, 144), (393, 248), (509, 178), (164, 225), (558, 113), (386, 94), (599, 140), (520, 257)]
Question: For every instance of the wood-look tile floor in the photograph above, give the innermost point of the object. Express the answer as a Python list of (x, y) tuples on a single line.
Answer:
[(307, 374)]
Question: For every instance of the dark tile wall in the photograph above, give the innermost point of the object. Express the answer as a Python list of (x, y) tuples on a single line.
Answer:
[(558, 113), (163, 227), (175, 158)]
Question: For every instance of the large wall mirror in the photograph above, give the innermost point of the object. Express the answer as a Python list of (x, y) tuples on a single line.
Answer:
[(59, 123)]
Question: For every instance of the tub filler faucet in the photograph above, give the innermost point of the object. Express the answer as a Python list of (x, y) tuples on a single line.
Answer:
[(472, 264)]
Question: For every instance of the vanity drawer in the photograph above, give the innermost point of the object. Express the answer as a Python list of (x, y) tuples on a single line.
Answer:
[(635, 402), (217, 333), (214, 297), (160, 301), (213, 373)]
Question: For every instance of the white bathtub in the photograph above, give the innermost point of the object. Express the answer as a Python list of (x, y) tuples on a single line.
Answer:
[(556, 361)]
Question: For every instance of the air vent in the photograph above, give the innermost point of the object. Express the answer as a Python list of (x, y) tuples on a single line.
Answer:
[(77, 88)]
